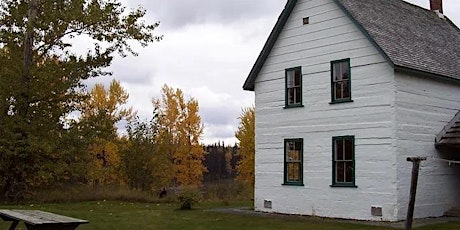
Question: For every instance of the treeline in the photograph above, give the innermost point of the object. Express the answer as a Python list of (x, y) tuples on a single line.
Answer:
[(158, 153), (221, 162)]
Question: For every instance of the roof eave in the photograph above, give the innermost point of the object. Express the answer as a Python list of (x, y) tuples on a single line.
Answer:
[(426, 74), (276, 31)]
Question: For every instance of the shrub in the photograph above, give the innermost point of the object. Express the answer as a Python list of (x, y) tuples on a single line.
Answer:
[(188, 198)]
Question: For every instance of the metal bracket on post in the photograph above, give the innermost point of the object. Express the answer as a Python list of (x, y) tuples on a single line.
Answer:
[(413, 189)]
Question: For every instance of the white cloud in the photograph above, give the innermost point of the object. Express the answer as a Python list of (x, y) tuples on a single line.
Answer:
[(208, 62), (175, 14)]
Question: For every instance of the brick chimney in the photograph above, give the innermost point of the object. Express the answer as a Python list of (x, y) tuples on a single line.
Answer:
[(436, 5)]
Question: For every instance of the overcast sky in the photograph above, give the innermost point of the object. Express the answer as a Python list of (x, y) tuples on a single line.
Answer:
[(208, 49)]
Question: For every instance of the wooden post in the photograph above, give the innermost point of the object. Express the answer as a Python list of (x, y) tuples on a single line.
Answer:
[(413, 189)]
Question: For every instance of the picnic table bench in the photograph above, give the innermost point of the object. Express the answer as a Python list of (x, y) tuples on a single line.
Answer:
[(40, 220)]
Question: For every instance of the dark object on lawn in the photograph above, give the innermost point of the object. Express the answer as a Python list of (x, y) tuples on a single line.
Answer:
[(163, 192)]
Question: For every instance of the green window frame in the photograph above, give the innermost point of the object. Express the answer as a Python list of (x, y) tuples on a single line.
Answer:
[(293, 162), (293, 87), (340, 81), (343, 161)]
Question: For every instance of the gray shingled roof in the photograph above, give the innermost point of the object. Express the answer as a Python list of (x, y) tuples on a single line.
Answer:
[(410, 37), (450, 134)]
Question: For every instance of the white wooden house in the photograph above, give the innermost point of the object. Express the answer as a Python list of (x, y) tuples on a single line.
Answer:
[(345, 91)]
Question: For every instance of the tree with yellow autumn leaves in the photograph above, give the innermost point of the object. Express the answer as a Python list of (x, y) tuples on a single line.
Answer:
[(245, 135), (162, 152), (180, 130), (99, 116)]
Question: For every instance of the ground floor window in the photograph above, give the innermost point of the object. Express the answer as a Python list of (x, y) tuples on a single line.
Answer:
[(293, 161), (343, 161)]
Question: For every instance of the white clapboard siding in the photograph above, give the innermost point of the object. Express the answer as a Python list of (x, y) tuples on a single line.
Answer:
[(331, 35), (423, 107)]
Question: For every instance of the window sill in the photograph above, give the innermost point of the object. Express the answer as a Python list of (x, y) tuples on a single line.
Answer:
[(341, 101), (293, 106), (343, 186), (293, 184)]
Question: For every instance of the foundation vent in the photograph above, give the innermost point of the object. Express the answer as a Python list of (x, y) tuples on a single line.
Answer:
[(268, 204), (376, 210)]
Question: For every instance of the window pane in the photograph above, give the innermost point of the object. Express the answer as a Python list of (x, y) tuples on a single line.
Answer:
[(348, 149), (289, 79), (293, 151), (336, 71), (344, 70), (297, 95), (293, 156), (293, 171), (297, 78), (349, 171), (346, 91), (338, 90), (339, 172), (339, 150), (289, 150), (298, 145), (290, 145), (291, 98)]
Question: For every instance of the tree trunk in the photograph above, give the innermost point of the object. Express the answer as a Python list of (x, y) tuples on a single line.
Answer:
[(24, 100)]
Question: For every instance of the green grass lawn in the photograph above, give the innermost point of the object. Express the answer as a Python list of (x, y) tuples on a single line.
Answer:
[(124, 215)]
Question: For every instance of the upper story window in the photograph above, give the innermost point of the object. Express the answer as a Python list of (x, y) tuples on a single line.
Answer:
[(294, 87), (340, 81), (343, 161), (293, 162)]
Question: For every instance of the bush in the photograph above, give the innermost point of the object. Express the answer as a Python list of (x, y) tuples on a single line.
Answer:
[(188, 198)]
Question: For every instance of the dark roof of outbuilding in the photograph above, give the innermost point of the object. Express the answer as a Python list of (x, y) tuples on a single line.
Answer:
[(408, 36)]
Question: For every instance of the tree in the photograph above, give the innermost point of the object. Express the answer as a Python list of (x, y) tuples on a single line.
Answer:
[(180, 129), (139, 154), (100, 113), (245, 136), (103, 109), (41, 77)]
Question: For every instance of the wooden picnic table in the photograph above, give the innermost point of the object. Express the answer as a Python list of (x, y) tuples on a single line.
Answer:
[(40, 220)]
